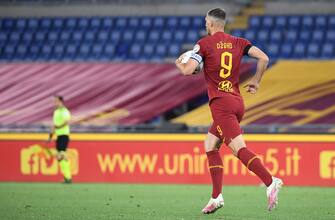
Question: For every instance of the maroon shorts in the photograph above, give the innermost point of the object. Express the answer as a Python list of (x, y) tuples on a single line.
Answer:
[(227, 112)]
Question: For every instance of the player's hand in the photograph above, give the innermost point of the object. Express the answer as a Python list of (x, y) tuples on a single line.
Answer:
[(252, 87)]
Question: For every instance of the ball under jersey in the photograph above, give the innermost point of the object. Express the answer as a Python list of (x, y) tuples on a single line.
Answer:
[(221, 54), (59, 117)]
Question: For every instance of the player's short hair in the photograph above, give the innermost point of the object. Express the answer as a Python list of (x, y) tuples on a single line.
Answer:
[(60, 98), (218, 14)]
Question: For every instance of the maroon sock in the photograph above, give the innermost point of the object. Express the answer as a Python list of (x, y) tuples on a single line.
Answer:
[(216, 170), (254, 164)]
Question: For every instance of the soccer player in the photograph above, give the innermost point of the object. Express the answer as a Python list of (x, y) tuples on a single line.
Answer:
[(61, 119), (221, 54)]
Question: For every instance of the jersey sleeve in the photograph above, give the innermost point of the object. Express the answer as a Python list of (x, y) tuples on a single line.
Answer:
[(198, 51), (245, 45)]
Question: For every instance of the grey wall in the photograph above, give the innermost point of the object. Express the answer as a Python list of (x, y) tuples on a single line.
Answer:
[(300, 7), (112, 10)]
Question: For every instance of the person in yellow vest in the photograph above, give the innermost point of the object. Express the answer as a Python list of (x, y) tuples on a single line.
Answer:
[(61, 127)]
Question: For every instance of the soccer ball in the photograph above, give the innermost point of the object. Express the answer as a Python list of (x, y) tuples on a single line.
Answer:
[(199, 68)]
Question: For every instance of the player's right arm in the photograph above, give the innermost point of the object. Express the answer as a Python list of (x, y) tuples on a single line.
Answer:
[(262, 63), (187, 68)]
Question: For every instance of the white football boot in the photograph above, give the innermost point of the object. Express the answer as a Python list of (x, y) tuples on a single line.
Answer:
[(272, 192), (213, 205)]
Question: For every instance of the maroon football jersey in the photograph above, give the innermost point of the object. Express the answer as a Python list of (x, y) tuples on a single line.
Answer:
[(221, 54)]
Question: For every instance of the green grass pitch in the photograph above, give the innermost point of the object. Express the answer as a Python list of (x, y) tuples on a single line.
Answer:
[(139, 201)]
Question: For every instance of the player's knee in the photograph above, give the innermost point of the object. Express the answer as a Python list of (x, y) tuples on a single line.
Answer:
[(211, 144), (236, 144), (61, 156)]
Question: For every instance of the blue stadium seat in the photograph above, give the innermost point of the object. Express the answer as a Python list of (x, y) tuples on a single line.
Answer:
[(115, 36), (330, 36), (122, 50), (21, 51), (102, 37), (84, 50), (70, 24), (89, 36), (185, 22), (109, 51), (328, 51), (154, 36), (276, 36), (250, 35), (52, 37), (128, 36), (268, 22), (95, 23), (331, 22), (46, 51), (97, 51), (14, 37), (34, 51), (318, 36), (21, 24), (198, 22), (9, 51), (174, 50), (307, 22), (58, 52), (3, 37), (83, 23), (286, 50), (313, 50), (179, 36), (121, 22), (161, 50), (158, 22), (46, 24), (255, 22), (263, 36), (107, 23), (294, 22), (273, 50), (32, 24), (77, 37), (8, 24), (291, 36), (40, 36), (71, 49), (65, 36), (280, 22), (27, 37), (146, 23), (135, 51), (299, 50), (238, 33), (134, 22), (148, 50), (320, 22), (305, 36), (140, 36), (166, 36), (58, 24), (192, 36), (172, 23)]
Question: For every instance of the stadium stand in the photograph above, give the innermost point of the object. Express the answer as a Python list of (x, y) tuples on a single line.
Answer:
[(285, 97), (97, 38), (97, 94), (292, 36)]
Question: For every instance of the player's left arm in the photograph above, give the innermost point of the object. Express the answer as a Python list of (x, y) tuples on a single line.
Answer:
[(187, 68), (262, 63)]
